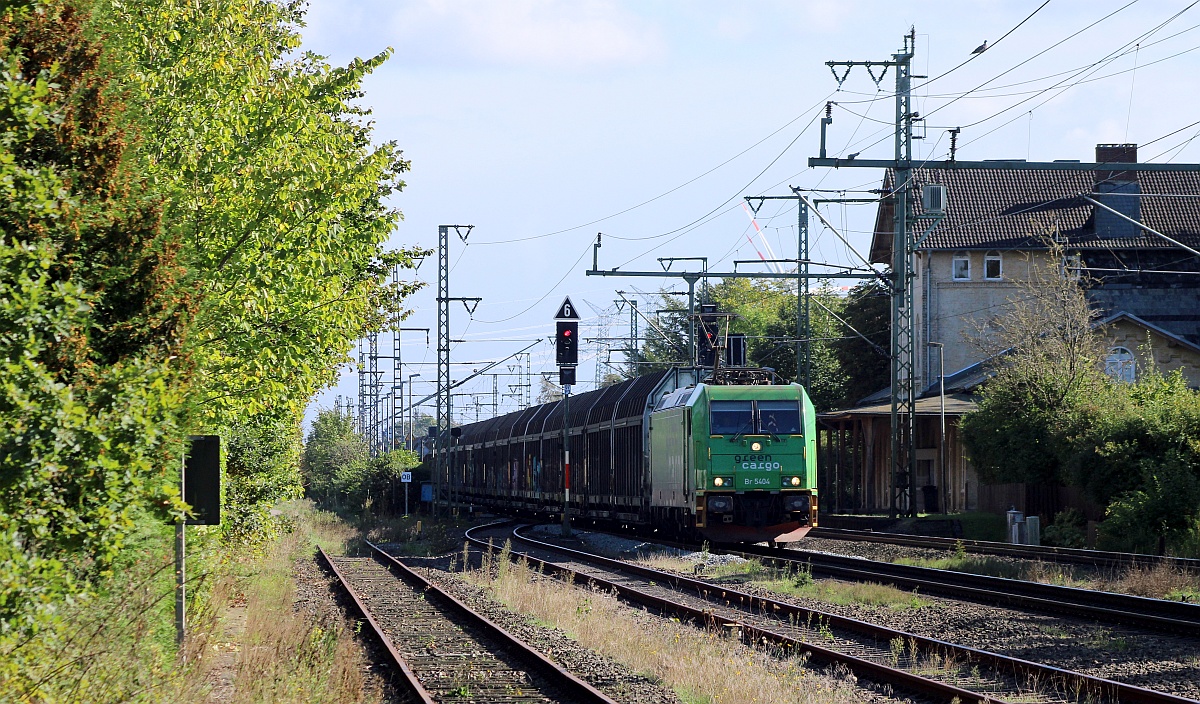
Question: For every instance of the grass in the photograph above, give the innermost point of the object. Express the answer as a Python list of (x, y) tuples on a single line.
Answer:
[(289, 655), (973, 564), (417, 536), (703, 667), (792, 583), (1158, 582), (846, 593), (976, 525), (119, 646)]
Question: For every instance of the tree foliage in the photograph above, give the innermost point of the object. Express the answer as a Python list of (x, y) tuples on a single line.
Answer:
[(90, 318), (193, 214), (862, 350), (1047, 356), (340, 472), (273, 181), (1050, 415), (262, 457), (764, 310)]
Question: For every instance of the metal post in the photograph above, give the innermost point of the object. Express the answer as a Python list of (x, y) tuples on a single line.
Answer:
[(374, 380), (634, 352), (942, 474), (566, 517), (803, 334), (180, 571), (903, 419), (410, 410), (691, 282)]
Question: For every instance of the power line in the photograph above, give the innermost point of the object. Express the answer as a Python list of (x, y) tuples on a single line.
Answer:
[(662, 195)]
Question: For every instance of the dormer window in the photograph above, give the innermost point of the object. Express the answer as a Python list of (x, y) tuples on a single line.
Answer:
[(960, 267), (993, 269)]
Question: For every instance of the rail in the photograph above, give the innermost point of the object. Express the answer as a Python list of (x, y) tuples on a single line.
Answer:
[(569, 687), (783, 613), (1176, 617), (1078, 556)]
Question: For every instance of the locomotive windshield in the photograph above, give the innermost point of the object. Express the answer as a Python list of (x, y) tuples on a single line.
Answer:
[(779, 417), (732, 417)]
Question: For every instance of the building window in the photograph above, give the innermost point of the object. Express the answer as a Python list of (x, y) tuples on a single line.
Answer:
[(1119, 365), (960, 267), (992, 266)]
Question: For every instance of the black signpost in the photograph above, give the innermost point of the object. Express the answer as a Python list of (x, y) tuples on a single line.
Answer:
[(200, 476), (566, 353)]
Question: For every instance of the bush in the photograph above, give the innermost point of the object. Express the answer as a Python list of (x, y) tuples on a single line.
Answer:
[(1067, 530)]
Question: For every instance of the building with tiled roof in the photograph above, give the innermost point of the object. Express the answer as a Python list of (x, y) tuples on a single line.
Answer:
[(995, 225), (1145, 288)]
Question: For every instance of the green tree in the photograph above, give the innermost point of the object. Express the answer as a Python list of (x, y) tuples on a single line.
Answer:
[(262, 467), (90, 320), (764, 310), (1051, 416), (863, 344), (1047, 357), (339, 471), (274, 183), (333, 447)]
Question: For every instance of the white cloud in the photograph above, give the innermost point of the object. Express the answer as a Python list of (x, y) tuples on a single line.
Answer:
[(536, 33)]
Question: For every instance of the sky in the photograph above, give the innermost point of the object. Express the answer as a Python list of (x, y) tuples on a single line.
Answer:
[(545, 122)]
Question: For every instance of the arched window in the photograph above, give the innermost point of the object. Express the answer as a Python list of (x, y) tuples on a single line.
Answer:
[(960, 267), (1119, 364), (993, 268)]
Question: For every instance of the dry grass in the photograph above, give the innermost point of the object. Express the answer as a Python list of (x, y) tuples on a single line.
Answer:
[(292, 656), (1159, 582), (118, 644), (702, 666), (790, 583)]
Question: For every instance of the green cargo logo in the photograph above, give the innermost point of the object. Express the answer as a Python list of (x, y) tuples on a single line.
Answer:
[(756, 462)]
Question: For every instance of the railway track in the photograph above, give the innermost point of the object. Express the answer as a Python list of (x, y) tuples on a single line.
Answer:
[(913, 663), (441, 648), (1175, 617), (1075, 556)]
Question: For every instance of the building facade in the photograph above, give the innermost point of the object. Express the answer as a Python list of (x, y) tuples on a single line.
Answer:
[(1144, 287)]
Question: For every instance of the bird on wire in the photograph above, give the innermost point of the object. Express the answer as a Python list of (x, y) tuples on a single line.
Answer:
[(981, 48)]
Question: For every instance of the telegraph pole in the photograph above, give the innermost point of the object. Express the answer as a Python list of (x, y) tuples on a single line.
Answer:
[(905, 244), (442, 433), (903, 349)]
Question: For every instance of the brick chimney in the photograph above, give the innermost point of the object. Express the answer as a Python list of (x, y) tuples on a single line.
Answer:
[(1116, 189)]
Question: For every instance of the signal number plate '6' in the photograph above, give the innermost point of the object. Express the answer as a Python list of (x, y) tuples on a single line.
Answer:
[(757, 481)]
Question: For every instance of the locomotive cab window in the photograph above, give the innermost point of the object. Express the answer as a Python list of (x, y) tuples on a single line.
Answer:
[(732, 417), (779, 417)]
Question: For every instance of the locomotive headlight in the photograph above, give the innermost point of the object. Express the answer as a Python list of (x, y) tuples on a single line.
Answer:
[(795, 481), (719, 481), (757, 446)]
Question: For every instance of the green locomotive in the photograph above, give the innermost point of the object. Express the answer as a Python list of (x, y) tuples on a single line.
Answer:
[(735, 463)]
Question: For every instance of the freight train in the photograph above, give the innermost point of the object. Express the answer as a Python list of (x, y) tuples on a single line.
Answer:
[(727, 455)]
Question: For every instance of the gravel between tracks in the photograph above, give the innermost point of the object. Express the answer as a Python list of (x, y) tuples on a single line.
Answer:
[(612, 678), (318, 596), (1155, 661)]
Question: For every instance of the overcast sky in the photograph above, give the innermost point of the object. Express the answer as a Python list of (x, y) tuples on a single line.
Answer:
[(649, 121)]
